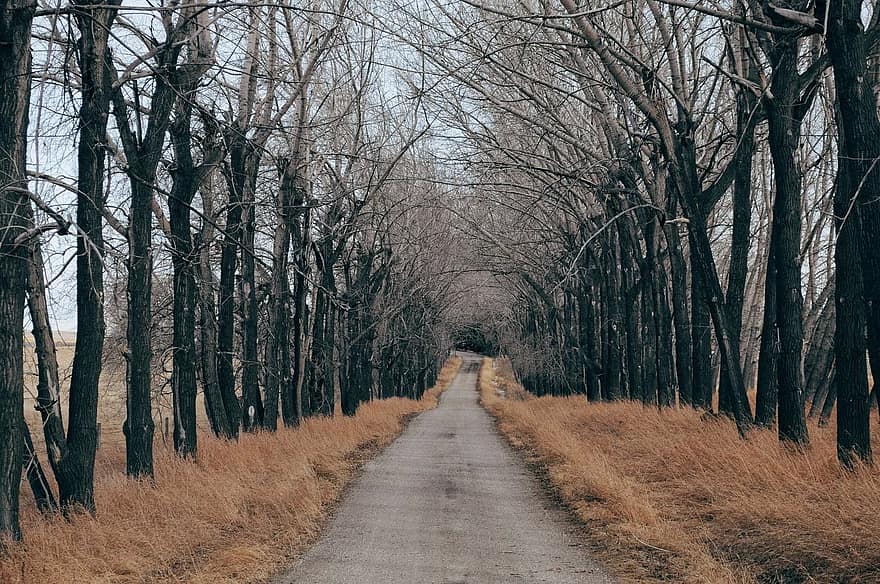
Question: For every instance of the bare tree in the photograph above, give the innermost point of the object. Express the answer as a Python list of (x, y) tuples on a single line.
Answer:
[(856, 211), (15, 81)]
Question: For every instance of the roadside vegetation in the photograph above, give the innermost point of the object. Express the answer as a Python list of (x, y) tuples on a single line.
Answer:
[(667, 496), (239, 513)]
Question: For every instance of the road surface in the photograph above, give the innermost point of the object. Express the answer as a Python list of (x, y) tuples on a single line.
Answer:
[(447, 502)]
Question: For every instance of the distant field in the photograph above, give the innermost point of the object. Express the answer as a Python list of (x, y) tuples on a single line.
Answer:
[(111, 404)]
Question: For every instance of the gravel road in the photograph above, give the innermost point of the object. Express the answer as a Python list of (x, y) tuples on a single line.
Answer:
[(447, 502)]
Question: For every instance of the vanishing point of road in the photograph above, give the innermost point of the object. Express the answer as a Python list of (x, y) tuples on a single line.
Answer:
[(447, 502)]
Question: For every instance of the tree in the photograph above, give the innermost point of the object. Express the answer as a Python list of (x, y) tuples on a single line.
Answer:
[(787, 104), (856, 213), (15, 81), (73, 459), (142, 156), (186, 180)]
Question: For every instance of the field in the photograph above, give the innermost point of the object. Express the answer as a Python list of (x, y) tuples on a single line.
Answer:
[(667, 496), (111, 407)]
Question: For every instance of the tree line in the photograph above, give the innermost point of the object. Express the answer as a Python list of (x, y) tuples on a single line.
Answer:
[(251, 207), (680, 198)]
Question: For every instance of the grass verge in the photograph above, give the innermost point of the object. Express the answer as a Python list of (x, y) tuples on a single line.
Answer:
[(238, 514), (667, 496)]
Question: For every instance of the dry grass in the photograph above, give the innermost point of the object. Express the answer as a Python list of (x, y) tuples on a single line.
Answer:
[(238, 514), (670, 497), (506, 385)]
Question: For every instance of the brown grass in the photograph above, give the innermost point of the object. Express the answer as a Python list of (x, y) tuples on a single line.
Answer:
[(238, 514), (667, 496)]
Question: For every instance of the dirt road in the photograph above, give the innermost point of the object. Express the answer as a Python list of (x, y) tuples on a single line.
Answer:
[(447, 502)]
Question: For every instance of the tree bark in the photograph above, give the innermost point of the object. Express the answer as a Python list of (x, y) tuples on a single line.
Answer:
[(820, 355), (649, 392), (680, 314), (746, 103), (16, 17), (851, 373), (36, 477), (185, 183), (587, 335), (226, 316), (636, 378), (701, 337), (830, 401), (214, 403), (858, 212), (300, 317), (76, 481), (215, 406), (701, 252), (279, 380), (139, 417), (362, 289), (251, 402), (330, 350), (662, 319), (613, 354), (48, 385), (784, 120), (766, 399), (315, 367)]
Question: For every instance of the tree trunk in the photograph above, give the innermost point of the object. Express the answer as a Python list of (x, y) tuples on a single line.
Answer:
[(76, 487), (15, 80), (36, 478), (587, 335), (785, 240), (300, 318), (742, 218), (701, 337), (828, 406), (680, 315), (649, 392), (226, 317), (662, 318), (851, 373), (184, 261), (245, 162), (48, 385), (315, 368), (214, 404), (750, 339), (701, 254), (635, 377), (768, 354), (278, 355), (362, 291), (329, 364), (139, 417), (820, 355), (143, 155), (859, 181), (612, 361)]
